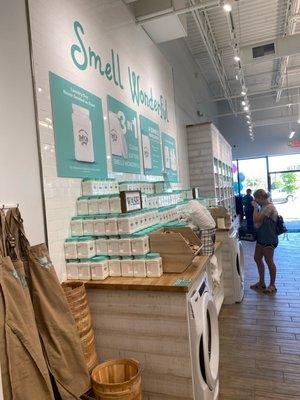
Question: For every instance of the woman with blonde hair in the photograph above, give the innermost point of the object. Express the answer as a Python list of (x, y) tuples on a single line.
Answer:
[(265, 218)]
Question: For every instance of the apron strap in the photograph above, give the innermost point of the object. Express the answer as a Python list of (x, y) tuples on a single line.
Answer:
[(3, 249), (18, 243)]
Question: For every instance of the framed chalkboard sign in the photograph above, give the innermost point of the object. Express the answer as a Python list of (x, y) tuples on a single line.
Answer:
[(131, 200)]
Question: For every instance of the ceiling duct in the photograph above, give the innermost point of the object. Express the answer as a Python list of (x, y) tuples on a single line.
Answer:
[(270, 50), (168, 26)]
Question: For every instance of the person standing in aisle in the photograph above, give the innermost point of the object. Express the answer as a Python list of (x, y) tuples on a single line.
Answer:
[(248, 207), (265, 218)]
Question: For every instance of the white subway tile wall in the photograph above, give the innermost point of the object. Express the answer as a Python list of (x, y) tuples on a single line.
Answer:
[(107, 25)]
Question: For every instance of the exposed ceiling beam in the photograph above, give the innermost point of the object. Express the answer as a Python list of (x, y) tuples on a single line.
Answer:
[(257, 109), (207, 4), (276, 121), (207, 36), (256, 93), (290, 27)]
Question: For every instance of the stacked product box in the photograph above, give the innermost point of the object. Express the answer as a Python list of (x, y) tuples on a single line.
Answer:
[(106, 242)]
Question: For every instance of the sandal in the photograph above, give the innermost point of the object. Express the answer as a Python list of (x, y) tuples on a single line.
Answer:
[(258, 286), (270, 290)]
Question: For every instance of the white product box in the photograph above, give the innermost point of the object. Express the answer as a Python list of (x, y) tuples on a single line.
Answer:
[(88, 226), (139, 267), (99, 226), (99, 268), (125, 246), (84, 270), (111, 226), (89, 187), (126, 224), (140, 244), (154, 265), (101, 246), (113, 246), (86, 247), (126, 266), (82, 206), (93, 205), (70, 247), (103, 205), (72, 270), (114, 265), (76, 226), (115, 204)]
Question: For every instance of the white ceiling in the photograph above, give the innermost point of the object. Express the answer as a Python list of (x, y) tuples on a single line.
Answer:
[(254, 21)]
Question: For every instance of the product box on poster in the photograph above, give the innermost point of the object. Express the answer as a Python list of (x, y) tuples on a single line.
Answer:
[(131, 200)]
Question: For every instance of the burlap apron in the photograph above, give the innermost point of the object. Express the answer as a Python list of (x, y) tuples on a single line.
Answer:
[(24, 371), (54, 320)]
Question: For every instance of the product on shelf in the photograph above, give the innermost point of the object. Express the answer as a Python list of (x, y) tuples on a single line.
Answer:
[(115, 204), (88, 226), (70, 247), (103, 205), (82, 205), (154, 265), (99, 225), (125, 248), (76, 226), (72, 269), (113, 246), (126, 266), (85, 247), (84, 269), (101, 246), (99, 268), (114, 265), (139, 266), (111, 226), (140, 243)]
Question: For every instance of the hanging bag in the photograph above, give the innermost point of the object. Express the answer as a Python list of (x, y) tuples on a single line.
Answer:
[(55, 322), (24, 371)]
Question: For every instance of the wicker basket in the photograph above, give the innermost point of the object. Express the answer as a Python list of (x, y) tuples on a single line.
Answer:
[(77, 299), (117, 380), (208, 238)]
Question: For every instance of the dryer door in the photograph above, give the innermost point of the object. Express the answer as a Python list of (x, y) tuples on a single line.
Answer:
[(210, 340)]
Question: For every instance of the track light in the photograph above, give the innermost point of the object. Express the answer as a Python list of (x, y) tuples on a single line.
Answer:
[(299, 120), (243, 103), (227, 7), (248, 116), (243, 93), (292, 135), (248, 122), (246, 108), (237, 58)]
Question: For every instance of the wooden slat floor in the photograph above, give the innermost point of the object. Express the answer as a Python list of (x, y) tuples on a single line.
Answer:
[(260, 338)]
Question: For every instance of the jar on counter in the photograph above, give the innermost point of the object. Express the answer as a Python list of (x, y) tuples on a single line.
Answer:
[(86, 247), (126, 266), (114, 265), (99, 225), (115, 204), (139, 267), (84, 270), (89, 187), (82, 205), (88, 226), (72, 269), (111, 226), (76, 226), (140, 243), (125, 246), (101, 246), (103, 205), (154, 265), (99, 268), (113, 246), (70, 248), (93, 206)]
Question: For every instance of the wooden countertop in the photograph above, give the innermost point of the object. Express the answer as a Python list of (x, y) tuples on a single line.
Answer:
[(166, 283)]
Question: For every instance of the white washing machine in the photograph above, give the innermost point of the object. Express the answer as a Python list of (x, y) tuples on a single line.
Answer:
[(215, 279), (232, 265), (204, 342)]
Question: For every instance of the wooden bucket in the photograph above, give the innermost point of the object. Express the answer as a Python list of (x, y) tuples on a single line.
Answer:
[(117, 380), (75, 294)]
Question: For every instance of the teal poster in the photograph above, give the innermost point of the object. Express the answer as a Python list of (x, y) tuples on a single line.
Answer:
[(79, 130), (170, 159), (151, 145), (124, 140)]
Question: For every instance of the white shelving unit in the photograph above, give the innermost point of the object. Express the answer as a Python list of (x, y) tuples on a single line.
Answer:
[(210, 163)]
